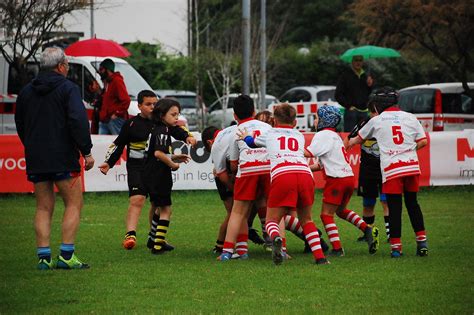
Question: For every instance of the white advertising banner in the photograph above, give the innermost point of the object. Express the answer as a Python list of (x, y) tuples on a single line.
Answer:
[(452, 158), (197, 174)]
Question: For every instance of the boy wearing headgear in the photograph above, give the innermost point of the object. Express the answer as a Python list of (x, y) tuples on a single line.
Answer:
[(327, 145), (399, 135)]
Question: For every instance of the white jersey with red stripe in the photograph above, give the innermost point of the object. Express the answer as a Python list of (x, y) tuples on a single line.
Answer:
[(328, 146), (220, 148), (251, 161), (397, 133), (285, 147)]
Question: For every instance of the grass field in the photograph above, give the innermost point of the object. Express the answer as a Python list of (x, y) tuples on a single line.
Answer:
[(189, 280)]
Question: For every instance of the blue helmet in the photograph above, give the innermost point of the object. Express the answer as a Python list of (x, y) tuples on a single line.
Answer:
[(329, 117)]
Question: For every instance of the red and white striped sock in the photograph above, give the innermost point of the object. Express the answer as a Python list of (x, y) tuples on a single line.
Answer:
[(312, 236), (421, 236), (228, 247), (241, 247), (272, 229), (396, 244), (293, 225), (331, 230), (352, 217)]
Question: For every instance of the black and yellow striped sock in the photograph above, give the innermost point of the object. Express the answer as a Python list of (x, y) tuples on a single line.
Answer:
[(161, 231)]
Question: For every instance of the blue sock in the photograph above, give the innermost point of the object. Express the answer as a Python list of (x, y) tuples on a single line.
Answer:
[(44, 253), (67, 250)]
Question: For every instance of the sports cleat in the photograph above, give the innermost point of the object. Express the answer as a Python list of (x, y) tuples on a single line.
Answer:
[(44, 264), (225, 256), (129, 242), (422, 249), (150, 243), (322, 261), (268, 242), (167, 247), (372, 236), (277, 250), (254, 237), (73, 263), (337, 252), (217, 250), (242, 257), (396, 254), (307, 248)]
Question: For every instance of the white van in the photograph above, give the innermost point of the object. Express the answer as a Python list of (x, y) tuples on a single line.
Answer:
[(439, 106), (82, 71)]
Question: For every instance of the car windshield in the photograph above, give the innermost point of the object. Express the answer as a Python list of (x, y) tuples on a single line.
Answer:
[(326, 96), (133, 80), (185, 101), (417, 101)]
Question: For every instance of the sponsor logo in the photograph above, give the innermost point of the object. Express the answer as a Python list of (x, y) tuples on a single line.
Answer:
[(11, 164)]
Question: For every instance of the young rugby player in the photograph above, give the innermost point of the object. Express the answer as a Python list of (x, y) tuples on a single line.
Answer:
[(292, 184), (399, 135), (329, 148)]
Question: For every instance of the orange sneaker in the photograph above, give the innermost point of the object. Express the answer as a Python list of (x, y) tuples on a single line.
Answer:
[(129, 242)]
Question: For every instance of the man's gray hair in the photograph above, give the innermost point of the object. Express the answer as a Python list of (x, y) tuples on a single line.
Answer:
[(51, 57)]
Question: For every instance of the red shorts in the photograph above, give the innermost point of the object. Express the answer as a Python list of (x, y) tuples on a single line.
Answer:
[(338, 191), (401, 184), (291, 190), (251, 187)]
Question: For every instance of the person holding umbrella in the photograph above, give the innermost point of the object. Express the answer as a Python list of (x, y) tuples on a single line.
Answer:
[(115, 100), (352, 92)]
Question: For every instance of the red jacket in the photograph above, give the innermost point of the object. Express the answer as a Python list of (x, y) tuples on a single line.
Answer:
[(115, 99)]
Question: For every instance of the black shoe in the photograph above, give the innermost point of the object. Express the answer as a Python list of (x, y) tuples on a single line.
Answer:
[(422, 249), (217, 250), (150, 243), (372, 236), (254, 237), (337, 252), (276, 251), (167, 247), (307, 248), (322, 261)]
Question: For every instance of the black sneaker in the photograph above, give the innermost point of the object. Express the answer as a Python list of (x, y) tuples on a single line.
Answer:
[(254, 237), (217, 250), (322, 261), (276, 250), (372, 236), (150, 243), (167, 247), (422, 249), (337, 252)]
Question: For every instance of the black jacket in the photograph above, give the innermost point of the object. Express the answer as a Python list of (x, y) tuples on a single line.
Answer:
[(352, 90), (52, 123)]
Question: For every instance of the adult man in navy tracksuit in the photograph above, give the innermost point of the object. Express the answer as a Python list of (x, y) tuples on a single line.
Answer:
[(52, 124)]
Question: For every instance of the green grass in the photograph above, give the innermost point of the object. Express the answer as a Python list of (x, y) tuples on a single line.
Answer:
[(190, 280)]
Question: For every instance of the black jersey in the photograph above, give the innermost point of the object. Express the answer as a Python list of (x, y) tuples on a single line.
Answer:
[(369, 158), (156, 174)]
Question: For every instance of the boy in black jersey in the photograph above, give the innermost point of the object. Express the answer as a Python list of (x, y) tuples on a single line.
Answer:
[(134, 135)]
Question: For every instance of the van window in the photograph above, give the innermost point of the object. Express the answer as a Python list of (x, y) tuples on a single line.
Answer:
[(301, 96), (16, 83), (326, 96), (418, 101), (454, 103), (83, 78)]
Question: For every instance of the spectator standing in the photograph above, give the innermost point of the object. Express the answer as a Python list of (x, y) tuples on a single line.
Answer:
[(115, 100), (352, 92), (52, 124)]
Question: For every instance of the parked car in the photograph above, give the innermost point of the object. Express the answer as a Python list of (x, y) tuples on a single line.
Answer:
[(192, 107), (311, 93), (316, 94), (439, 106), (216, 116)]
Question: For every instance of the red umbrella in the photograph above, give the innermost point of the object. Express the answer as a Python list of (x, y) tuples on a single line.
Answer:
[(96, 47)]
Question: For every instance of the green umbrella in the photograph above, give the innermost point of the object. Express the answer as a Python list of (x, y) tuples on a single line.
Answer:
[(369, 52)]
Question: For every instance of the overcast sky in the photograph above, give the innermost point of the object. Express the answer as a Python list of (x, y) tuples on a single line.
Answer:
[(149, 21)]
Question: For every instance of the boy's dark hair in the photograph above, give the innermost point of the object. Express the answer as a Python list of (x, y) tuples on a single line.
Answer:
[(383, 98), (162, 107), (284, 114), (143, 94), (243, 106), (208, 134)]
